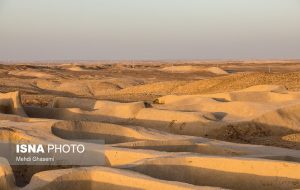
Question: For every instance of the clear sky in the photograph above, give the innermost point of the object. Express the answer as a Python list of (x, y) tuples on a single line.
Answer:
[(149, 29)]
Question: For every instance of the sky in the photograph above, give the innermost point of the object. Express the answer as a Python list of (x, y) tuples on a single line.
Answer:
[(149, 29)]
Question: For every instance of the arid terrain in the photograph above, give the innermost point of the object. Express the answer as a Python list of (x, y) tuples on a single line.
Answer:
[(166, 125)]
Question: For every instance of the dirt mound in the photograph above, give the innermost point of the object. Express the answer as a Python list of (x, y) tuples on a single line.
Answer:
[(10, 103), (185, 123), (13, 136), (104, 88), (190, 69), (110, 133), (216, 70), (190, 145), (117, 112), (213, 147), (153, 88), (182, 69), (78, 68), (65, 102), (222, 172), (287, 117), (100, 178), (7, 181), (292, 138), (34, 74), (220, 107), (80, 88)]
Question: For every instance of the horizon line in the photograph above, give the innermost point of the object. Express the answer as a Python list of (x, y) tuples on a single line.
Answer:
[(150, 60)]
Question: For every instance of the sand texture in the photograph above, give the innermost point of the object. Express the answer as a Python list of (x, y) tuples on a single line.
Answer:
[(170, 125)]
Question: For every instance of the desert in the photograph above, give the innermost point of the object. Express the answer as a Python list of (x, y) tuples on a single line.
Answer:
[(164, 124)]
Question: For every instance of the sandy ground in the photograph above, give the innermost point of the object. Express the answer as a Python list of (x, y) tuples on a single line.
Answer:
[(166, 125)]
